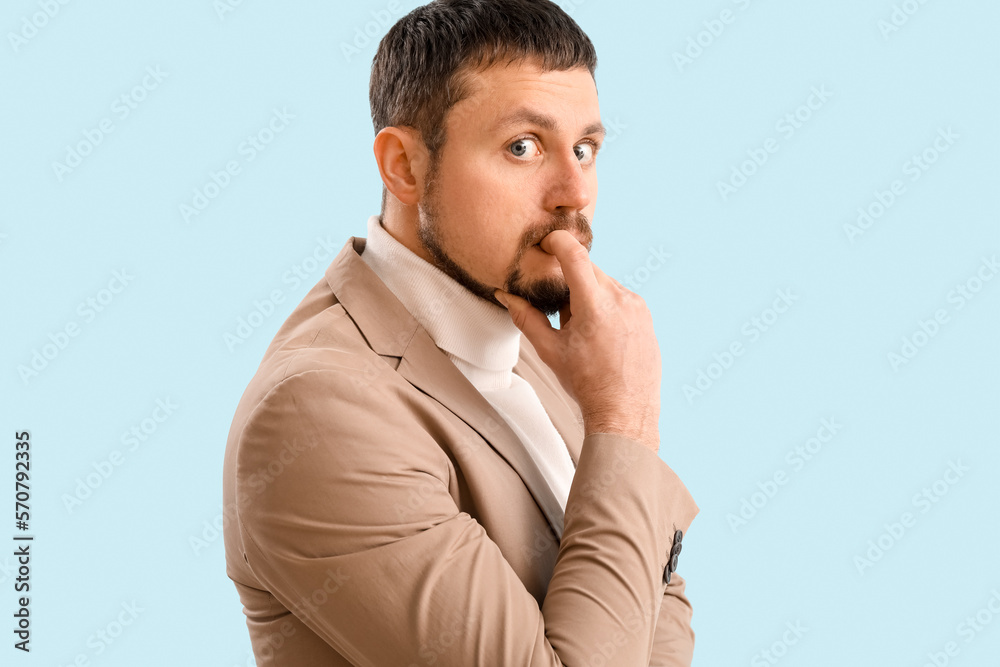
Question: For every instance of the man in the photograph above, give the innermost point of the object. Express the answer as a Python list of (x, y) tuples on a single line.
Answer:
[(421, 475)]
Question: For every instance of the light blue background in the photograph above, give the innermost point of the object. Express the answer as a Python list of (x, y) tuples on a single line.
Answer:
[(680, 130)]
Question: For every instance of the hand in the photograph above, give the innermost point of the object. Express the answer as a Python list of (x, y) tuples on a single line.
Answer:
[(605, 352)]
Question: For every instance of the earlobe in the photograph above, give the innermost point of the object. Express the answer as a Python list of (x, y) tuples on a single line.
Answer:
[(400, 157)]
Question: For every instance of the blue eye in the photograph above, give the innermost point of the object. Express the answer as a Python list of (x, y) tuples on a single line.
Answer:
[(515, 147), (585, 151)]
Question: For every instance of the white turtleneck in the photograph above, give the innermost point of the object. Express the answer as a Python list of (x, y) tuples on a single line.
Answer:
[(481, 340)]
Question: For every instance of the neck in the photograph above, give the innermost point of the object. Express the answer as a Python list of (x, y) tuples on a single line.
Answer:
[(401, 224)]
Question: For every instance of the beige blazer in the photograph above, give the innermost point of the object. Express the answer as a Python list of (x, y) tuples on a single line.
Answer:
[(379, 512)]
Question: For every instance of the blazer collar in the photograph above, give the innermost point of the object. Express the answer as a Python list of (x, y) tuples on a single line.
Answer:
[(392, 331)]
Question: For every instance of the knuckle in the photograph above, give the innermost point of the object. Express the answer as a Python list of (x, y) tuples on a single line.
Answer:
[(637, 301)]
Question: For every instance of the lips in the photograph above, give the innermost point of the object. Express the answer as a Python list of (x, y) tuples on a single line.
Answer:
[(576, 235)]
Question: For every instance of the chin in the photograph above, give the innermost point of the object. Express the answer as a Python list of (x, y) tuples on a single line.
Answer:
[(549, 294), (538, 264)]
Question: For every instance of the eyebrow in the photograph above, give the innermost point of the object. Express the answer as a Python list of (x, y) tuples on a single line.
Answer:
[(541, 120)]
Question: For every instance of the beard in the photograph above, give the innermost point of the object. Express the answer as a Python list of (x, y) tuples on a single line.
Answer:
[(549, 295)]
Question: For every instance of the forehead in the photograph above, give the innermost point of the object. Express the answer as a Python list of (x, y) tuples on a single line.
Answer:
[(504, 95)]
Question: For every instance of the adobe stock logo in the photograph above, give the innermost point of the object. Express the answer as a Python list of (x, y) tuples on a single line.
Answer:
[(725, 360), (915, 167), (787, 126), (900, 16), (923, 500), (968, 630), (779, 649), (30, 27), (655, 260), (364, 36), (223, 7), (570, 6), (249, 149), (962, 293), (103, 469), (42, 358), (796, 457), (713, 30), (121, 108), (323, 252), (108, 634)]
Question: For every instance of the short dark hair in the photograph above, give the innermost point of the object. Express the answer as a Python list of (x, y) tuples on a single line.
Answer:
[(418, 72)]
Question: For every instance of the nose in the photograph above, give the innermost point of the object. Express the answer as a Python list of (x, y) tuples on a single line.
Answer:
[(568, 187)]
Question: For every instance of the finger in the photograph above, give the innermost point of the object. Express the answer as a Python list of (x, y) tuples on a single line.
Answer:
[(605, 301), (532, 322), (603, 276), (576, 266)]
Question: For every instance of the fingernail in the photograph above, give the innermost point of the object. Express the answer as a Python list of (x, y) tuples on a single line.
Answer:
[(501, 297)]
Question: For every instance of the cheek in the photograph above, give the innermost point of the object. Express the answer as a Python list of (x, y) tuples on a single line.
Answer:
[(487, 209), (485, 214)]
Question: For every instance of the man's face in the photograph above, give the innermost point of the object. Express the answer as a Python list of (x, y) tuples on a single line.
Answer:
[(517, 164)]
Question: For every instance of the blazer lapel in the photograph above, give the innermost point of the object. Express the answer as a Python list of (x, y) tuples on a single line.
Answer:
[(392, 331), (426, 367)]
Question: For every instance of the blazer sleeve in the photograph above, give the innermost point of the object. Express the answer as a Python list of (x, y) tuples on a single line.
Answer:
[(347, 519), (673, 642)]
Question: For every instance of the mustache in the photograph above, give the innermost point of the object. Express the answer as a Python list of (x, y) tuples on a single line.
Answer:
[(572, 223)]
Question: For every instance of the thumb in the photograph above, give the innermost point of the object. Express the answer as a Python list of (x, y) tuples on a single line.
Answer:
[(531, 321)]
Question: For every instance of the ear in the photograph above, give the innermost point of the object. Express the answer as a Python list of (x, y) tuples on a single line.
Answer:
[(402, 162)]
